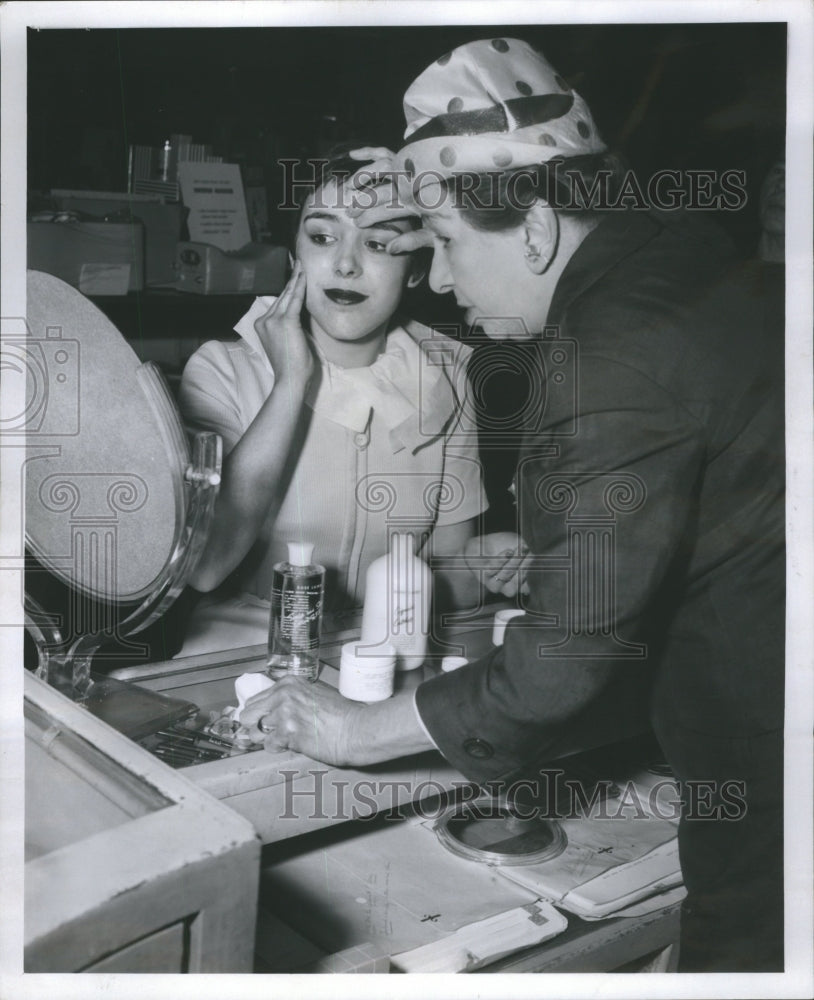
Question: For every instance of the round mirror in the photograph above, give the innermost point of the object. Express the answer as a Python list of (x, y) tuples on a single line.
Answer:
[(104, 499)]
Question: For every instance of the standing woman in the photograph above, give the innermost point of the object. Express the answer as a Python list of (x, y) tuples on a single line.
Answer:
[(673, 434)]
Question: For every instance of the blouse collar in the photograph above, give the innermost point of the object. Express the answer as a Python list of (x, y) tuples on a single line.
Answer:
[(408, 387)]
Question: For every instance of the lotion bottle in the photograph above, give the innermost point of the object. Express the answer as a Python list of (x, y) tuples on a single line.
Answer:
[(398, 589), (297, 592)]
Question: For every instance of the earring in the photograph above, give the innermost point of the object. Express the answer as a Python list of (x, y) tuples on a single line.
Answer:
[(533, 253)]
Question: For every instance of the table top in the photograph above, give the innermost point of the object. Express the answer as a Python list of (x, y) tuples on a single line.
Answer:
[(286, 793)]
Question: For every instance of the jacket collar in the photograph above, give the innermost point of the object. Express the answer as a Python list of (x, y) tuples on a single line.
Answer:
[(619, 235), (616, 237)]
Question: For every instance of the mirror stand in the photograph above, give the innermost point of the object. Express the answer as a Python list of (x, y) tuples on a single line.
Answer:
[(65, 662)]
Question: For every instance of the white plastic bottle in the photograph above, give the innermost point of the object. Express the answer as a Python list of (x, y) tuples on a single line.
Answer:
[(297, 591), (398, 589)]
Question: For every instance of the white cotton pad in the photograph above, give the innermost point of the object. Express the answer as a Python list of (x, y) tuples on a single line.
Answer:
[(248, 685)]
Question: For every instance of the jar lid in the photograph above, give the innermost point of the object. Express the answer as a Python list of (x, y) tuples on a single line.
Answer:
[(491, 831)]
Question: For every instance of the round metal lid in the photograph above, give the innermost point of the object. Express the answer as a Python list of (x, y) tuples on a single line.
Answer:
[(494, 832)]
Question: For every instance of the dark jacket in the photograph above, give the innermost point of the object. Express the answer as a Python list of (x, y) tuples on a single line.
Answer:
[(651, 492)]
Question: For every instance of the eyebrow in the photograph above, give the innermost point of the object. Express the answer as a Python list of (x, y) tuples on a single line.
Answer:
[(320, 215), (330, 217)]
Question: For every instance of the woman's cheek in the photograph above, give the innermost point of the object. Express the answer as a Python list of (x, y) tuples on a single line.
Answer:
[(310, 297)]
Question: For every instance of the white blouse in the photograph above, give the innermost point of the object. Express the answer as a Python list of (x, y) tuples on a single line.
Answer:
[(390, 446)]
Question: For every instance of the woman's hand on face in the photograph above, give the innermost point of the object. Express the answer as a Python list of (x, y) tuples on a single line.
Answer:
[(385, 195), (311, 718), (281, 333), (498, 561)]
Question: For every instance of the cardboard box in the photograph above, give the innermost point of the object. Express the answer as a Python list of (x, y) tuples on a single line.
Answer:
[(256, 269), (98, 258), (162, 224)]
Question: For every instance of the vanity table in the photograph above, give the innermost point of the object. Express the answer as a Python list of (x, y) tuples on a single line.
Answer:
[(299, 805)]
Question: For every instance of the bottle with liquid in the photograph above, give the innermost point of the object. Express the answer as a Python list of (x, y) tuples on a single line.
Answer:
[(297, 591), (398, 588), (166, 154)]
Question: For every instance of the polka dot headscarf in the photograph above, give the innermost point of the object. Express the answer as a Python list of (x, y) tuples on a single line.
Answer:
[(492, 105)]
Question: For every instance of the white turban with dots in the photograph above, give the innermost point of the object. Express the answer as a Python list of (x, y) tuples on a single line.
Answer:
[(492, 104)]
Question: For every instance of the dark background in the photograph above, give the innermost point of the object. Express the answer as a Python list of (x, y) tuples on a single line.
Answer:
[(667, 96)]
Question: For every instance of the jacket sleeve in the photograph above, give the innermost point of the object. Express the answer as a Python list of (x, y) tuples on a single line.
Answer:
[(607, 511)]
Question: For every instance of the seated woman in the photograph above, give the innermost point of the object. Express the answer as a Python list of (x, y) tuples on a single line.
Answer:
[(340, 419)]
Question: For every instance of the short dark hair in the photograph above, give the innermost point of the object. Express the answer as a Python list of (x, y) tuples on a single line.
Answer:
[(499, 200)]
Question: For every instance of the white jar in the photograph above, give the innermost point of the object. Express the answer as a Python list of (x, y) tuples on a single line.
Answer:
[(366, 675)]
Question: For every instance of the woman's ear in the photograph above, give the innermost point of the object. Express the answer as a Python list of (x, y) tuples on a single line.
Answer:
[(541, 233)]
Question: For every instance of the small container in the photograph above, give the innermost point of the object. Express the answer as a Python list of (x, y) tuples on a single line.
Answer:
[(297, 592), (502, 619), (367, 675)]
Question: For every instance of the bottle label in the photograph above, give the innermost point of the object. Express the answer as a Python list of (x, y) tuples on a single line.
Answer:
[(403, 618), (296, 612)]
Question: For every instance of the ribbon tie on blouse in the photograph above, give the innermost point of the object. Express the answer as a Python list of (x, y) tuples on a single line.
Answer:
[(409, 388)]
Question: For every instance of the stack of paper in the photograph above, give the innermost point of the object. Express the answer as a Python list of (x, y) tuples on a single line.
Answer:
[(608, 865)]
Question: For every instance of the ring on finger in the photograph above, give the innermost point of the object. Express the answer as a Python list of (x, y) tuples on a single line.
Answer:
[(264, 726)]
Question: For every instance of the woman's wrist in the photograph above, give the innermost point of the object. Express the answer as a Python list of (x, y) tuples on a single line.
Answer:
[(296, 380)]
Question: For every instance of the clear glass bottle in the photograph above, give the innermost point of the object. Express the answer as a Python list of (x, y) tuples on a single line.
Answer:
[(297, 591)]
